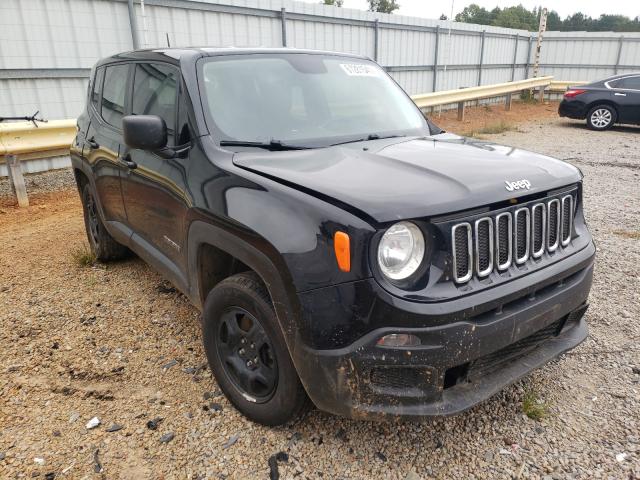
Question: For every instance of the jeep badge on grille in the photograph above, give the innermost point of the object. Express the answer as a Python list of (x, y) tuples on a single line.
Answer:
[(517, 185)]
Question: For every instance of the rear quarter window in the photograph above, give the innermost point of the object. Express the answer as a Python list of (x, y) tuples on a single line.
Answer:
[(97, 88)]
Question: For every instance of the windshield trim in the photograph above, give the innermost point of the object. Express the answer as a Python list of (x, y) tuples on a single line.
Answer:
[(311, 143)]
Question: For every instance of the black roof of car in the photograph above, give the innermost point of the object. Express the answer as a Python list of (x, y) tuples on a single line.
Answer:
[(175, 55)]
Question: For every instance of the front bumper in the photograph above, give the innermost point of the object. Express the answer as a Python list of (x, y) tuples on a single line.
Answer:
[(459, 363)]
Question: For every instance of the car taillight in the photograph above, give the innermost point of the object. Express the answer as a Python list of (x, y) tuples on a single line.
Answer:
[(573, 93)]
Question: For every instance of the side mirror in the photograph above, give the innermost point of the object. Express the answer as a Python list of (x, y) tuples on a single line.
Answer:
[(145, 132)]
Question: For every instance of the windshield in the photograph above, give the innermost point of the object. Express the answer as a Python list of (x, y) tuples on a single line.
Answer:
[(304, 99)]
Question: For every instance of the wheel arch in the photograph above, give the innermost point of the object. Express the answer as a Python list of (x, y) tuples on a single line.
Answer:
[(207, 242)]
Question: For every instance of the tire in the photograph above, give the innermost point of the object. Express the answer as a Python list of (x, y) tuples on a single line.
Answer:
[(103, 246), (601, 117), (247, 352)]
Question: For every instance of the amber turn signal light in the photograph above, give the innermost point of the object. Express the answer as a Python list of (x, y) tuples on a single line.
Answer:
[(341, 245)]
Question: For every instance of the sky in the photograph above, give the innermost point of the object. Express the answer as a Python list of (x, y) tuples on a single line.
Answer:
[(433, 9)]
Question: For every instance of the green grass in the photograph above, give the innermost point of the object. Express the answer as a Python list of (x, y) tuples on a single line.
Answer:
[(533, 406), (82, 256)]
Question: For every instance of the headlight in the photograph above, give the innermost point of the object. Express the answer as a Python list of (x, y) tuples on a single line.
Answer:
[(400, 251)]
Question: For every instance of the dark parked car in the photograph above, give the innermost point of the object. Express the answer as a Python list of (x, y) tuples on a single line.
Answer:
[(604, 103), (342, 248)]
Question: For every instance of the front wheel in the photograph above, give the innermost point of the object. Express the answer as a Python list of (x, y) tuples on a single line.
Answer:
[(601, 117), (247, 352)]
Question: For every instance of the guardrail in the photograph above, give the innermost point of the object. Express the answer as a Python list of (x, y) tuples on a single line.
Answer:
[(27, 141), (560, 86), (462, 95)]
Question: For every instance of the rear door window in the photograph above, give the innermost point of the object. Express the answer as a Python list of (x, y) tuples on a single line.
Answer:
[(632, 83), (114, 94), (155, 92)]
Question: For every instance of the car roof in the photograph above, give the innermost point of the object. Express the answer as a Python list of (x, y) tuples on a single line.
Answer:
[(175, 55), (620, 75)]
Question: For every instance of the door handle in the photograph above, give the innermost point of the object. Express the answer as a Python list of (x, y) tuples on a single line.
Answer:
[(620, 94), (128, 162), (92, 143)]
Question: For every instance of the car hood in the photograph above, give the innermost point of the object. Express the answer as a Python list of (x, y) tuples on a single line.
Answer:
[(405, 178)]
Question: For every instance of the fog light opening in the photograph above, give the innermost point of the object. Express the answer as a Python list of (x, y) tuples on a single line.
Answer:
[(399, 340)]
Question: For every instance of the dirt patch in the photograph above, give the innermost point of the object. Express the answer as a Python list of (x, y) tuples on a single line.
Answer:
[(41, 205), (485, 118)]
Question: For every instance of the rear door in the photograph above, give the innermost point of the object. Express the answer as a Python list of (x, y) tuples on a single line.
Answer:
[(154, 191), (104, 140), (626, 93)]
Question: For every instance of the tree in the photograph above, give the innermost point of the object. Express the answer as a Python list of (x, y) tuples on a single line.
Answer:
[(521, 18), (383, 6), (516, 17), (333, 3), (554, 22), (475, 14)]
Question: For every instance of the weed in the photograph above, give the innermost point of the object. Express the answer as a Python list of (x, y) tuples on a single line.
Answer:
[(492, 129), (533, 406), (528, 96), (82, 256)]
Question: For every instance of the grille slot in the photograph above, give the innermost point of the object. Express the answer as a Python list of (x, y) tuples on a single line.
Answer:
[(553, 225), (462, 257), (538, 227), (504, 240), (567, 219), (522, 235), (484, 246)]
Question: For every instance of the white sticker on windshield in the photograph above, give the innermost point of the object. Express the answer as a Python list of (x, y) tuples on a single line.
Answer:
[(360, 70)]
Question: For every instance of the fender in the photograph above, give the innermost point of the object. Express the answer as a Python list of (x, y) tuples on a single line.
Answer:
[(270, 267)]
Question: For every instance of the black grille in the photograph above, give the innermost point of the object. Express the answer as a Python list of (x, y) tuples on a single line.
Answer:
[(537, 228), (395, 377), (521, 233), (493, 361), (554, 212), (567, 218), (401, 381), (484, 247), (503, 234), (554, 224), (461, 248)]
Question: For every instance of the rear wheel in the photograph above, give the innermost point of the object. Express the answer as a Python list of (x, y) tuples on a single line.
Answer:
[(601, 117), (103, 245), (247, 352)]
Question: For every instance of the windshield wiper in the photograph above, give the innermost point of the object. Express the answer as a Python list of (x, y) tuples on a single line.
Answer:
[(274, 145), (373, 136)]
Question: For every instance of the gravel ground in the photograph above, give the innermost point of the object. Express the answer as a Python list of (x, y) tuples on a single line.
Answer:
[(117, 343), (52, 181)]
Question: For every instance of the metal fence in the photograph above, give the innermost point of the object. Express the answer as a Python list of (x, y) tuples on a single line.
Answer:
[(48, 46)]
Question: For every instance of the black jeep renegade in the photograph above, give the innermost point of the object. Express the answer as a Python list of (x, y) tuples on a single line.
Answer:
[(342, 248)]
